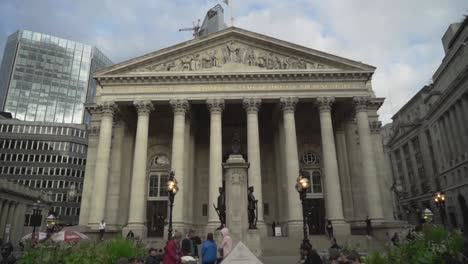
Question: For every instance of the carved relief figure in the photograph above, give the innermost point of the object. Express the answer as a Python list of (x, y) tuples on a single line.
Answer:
[(233, 52)]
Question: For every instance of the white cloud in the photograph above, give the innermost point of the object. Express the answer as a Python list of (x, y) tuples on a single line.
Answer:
[(400, 37)]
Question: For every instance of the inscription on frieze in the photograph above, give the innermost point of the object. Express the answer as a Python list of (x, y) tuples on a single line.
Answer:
[(233, 53)]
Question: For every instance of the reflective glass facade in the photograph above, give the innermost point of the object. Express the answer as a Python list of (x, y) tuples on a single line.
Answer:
[(48, 79)]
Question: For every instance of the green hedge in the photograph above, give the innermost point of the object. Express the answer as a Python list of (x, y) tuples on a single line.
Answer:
[(433, 245), (107, 252)]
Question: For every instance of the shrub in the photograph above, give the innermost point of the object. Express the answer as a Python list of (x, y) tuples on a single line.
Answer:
[(107, 252), (434, 245)]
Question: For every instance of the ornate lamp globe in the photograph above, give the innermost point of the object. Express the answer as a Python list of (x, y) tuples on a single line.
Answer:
[(302, 183), (172, 184)]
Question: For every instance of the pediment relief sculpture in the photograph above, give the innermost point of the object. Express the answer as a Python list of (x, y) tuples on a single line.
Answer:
[(233, 55)]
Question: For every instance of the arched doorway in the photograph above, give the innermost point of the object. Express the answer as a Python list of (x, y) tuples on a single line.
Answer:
[(157, 203), (315, 205)]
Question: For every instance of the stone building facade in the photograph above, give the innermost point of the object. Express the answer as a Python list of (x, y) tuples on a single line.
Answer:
[(46, 157), (179, 109), (17, 203), (427, 143)]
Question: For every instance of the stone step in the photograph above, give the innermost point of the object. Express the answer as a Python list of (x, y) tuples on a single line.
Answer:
[(285, 246)]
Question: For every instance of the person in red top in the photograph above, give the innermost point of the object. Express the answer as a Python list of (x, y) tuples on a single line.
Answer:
[(173, 252)]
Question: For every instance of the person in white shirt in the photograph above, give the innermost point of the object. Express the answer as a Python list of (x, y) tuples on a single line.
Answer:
[(102, 229)]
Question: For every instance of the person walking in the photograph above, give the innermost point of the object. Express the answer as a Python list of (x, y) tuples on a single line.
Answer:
[(209, 250), (329, 229), (188, 245), (102, 229), (173, 252), (368, 227), (152, 257), (226, 245)]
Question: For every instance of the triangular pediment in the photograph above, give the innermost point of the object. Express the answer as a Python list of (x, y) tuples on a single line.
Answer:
[(234, 50)]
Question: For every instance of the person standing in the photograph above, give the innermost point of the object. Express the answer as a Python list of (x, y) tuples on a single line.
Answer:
[(102, 229), (329, 229), (226, 245), (368, 227), (188, 245), (173, 252), (273, 226), (209, 250)]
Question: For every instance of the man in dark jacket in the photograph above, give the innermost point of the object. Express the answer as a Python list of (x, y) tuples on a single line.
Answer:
[(152, 258), (188, 245)]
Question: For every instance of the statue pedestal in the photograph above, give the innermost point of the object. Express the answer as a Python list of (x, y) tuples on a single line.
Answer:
[(253, 241), (235, 176)]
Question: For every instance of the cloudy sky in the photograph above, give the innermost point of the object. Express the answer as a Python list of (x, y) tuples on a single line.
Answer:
[(400, 37)]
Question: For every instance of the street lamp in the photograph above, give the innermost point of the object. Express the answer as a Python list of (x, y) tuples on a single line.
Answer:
[(172, 189), (36, 218), (439, 200), (302, 185)]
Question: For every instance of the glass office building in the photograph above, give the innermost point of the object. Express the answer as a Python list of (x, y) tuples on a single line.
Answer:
[(48, 79)]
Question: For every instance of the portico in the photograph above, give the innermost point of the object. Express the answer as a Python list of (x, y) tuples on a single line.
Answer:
[(178, 109)]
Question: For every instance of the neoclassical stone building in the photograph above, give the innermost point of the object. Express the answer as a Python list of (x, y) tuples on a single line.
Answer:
[(179, 108)]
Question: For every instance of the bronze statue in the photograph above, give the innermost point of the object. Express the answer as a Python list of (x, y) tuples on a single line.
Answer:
[(221, 209), (252, 209)]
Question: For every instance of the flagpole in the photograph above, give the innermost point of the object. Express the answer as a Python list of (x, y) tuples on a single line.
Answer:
[(232, 18)]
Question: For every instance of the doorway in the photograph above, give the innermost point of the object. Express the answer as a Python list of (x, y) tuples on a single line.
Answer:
[(156, 215), (315, 212)]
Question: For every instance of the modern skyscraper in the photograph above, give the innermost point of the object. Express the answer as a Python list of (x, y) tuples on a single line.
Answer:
[(47, 78)]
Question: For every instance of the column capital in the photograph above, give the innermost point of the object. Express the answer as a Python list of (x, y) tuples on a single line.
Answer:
[(108, 108), (215, 105), (143, 107), (179, 106), (252, 105), (325, 103), (361, 103), (288, 104)]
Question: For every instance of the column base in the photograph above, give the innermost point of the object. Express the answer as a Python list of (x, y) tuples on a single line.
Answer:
[(294, 228), (139, 230), (341, 228), (211, 227)]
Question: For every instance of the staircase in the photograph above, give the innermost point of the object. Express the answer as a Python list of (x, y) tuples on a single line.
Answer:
[(286, 246)]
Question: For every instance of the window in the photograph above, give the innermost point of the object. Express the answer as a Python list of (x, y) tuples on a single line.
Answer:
[(157, 185), (316, 182), (205, 210)]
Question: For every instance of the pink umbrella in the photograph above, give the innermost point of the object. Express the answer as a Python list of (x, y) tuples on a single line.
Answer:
[(37, 236), (68, 236)]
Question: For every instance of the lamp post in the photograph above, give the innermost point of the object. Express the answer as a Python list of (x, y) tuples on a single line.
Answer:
[(439, 200), (172, 189), (302, 185), (36, 217)]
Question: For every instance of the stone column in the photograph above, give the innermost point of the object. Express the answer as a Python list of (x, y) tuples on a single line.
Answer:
[(137, 207), (11, 220), (3, 215), (449, 133), (344, 172), (374, 204), (216, 107), (252, 105), (444, 142), (288, 106), (456, 133), (101, 171), (88, 181), (179, 107), (113, 193), (463, 124), (333, 201)]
